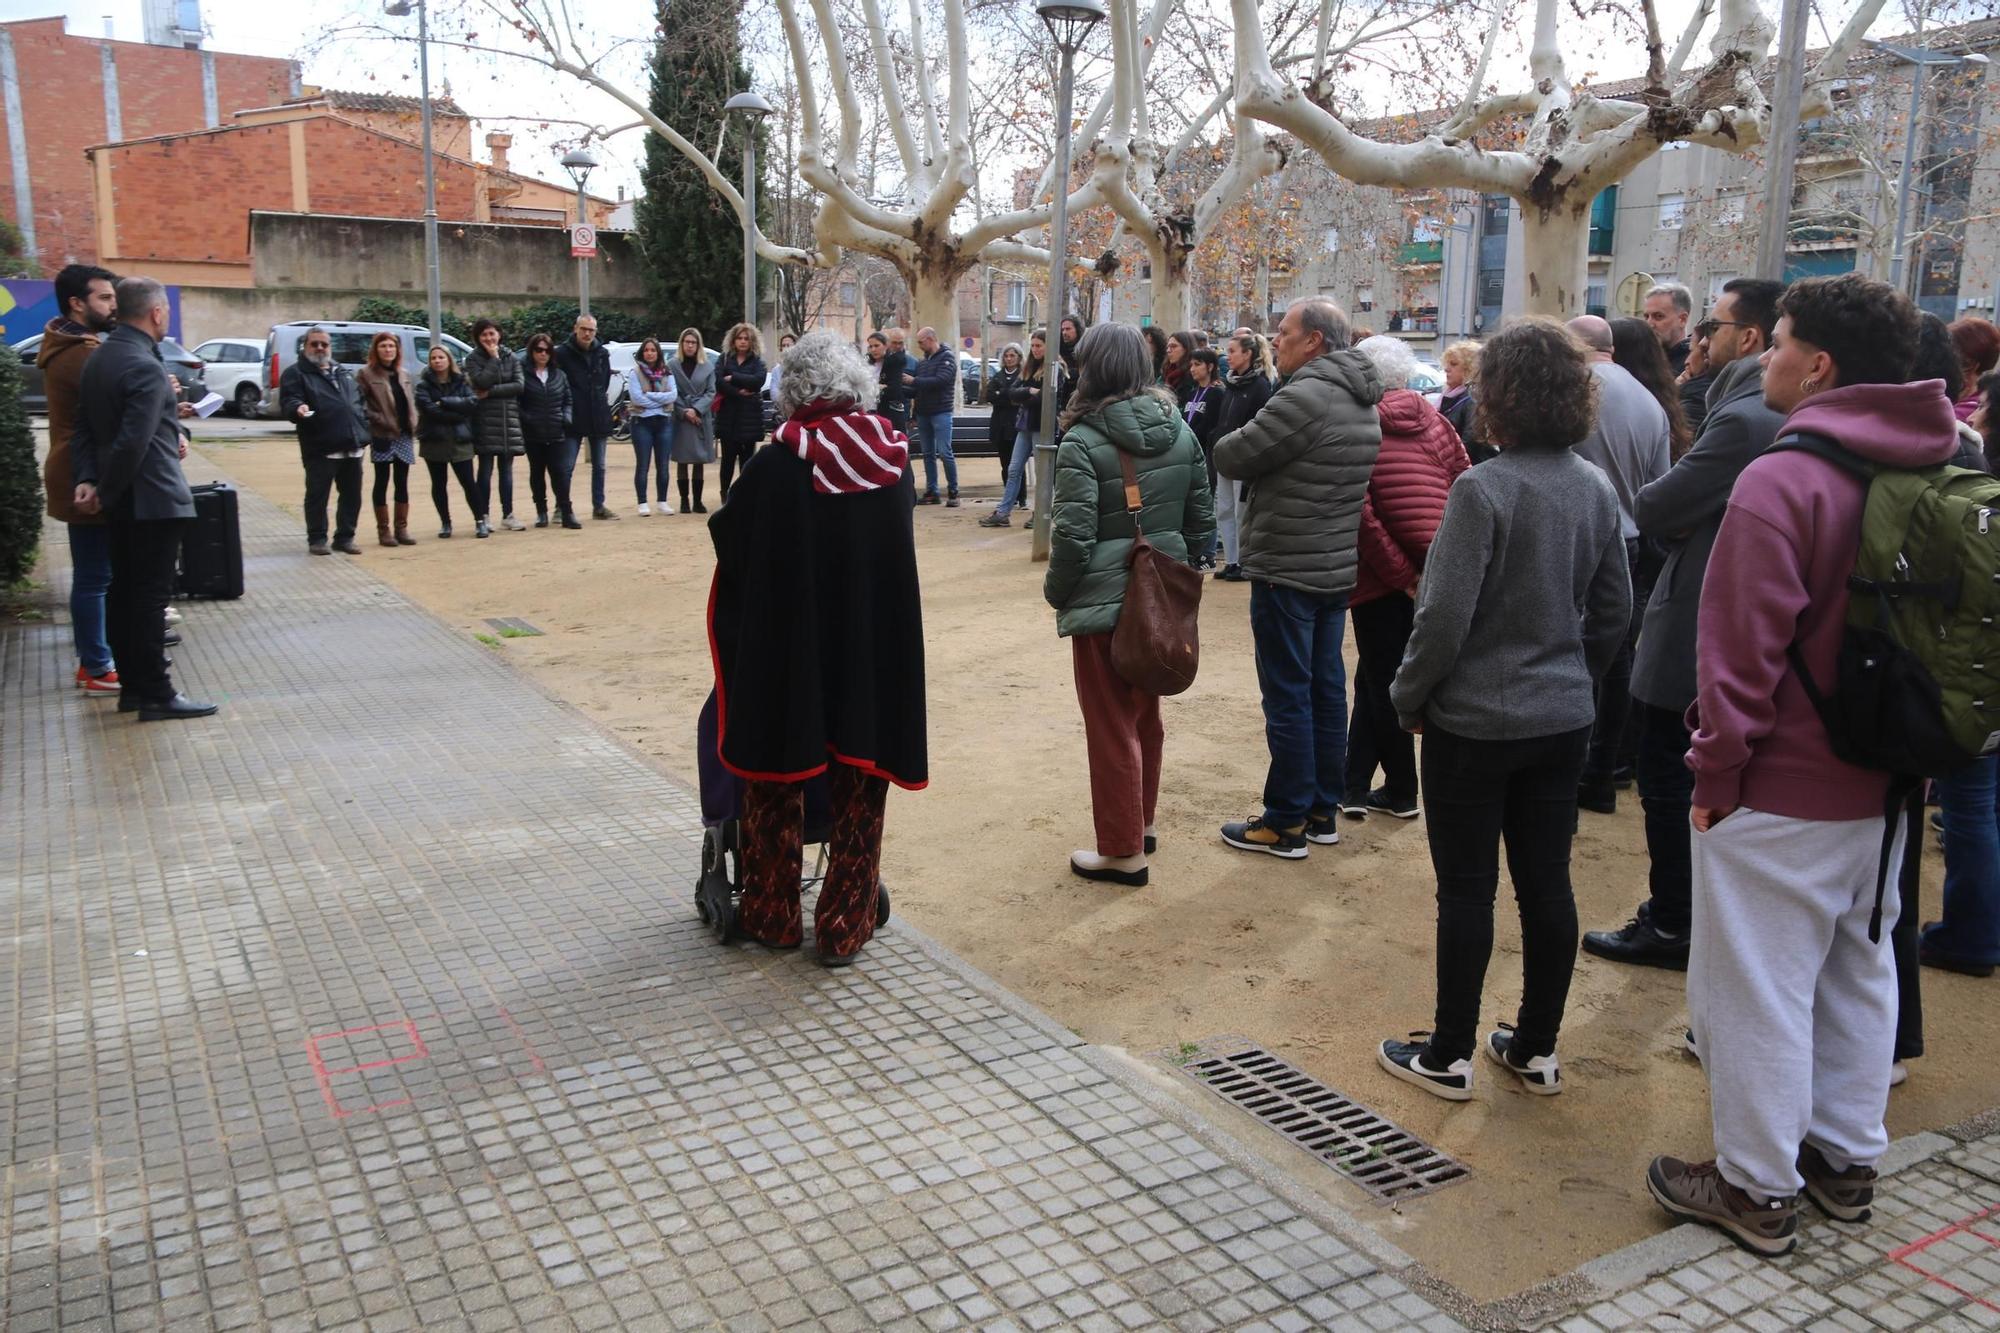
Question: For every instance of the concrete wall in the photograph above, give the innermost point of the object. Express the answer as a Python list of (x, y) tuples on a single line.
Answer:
[(312, 267)]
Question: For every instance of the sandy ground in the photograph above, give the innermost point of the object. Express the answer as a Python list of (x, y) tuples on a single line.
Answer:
[(1317, 959)]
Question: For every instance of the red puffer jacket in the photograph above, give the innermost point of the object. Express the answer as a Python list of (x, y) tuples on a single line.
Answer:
[(1421, 456)]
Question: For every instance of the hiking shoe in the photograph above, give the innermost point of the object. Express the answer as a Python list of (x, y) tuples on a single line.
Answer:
[(1257, 836), (1640, 942), (1844, 1196), (1380, 800), (1404, 1060), (1538, 1074), (1696, 1192), (104, 682), (1320, 829)]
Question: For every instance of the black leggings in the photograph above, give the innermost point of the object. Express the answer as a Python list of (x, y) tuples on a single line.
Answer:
[(401, 472), (462, 469)]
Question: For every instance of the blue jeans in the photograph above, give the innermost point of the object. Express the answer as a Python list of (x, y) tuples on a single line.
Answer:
[(1304, 684), (1969, 927), (934, 431), (574, 447), (89, 578), (1017, 473), (651, 438)]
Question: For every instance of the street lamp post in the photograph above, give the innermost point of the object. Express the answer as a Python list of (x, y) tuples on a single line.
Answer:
[(1920, 60), (1069, 22), (754, 109), (433, 283), (579, 163)]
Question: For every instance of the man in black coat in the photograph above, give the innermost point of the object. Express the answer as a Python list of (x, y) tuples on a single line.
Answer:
[(324, 399), (126, 461), (895, 400), (586, 364)]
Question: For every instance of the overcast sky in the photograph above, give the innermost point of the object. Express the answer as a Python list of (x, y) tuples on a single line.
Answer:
[(492, 89)]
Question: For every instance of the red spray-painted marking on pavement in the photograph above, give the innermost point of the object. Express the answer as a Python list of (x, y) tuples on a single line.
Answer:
[(522, 1036), (1965, 1226), (325, 1076)]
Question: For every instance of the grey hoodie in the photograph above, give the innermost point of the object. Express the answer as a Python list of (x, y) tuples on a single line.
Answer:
[(1304, 461)]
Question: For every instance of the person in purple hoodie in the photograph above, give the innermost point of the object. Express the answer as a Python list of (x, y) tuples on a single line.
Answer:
[(1793, 1005)]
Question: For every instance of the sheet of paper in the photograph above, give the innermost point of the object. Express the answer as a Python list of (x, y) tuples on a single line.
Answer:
[(209, 406)]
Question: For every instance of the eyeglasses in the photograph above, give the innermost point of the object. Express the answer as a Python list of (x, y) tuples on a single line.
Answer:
[(317, 347)]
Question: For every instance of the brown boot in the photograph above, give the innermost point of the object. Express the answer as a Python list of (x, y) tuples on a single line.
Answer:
[(382, 533), (403, 537)]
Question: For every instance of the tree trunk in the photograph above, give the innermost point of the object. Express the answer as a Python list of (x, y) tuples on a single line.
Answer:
[(1261, 293), (1173, 296), (934, 305), (1553, 259)]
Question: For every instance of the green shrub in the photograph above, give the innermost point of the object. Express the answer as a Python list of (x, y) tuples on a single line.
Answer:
[(20, 480), (553, 317)]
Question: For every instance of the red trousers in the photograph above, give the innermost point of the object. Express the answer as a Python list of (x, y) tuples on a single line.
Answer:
[(773, 862), (1123, 733)]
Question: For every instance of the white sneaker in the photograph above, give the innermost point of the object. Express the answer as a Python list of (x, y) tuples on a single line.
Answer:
[(1538, 1075), (1899, 1074), (644, 509), (173, 616), (512, 524), (1404, 1059)]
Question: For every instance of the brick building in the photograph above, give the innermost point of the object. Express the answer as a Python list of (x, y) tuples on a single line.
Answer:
[(78, 91)]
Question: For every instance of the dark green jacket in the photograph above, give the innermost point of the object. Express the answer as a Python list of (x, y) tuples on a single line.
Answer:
[(1090, 533)]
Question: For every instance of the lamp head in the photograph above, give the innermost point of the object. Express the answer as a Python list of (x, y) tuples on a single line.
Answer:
[(579, 163), (1070, 21), (750, 104)]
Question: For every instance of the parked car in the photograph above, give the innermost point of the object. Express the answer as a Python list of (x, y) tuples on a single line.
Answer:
[(351, 340), (622, 357), (235, 369), (185, 367), (1426, 378)]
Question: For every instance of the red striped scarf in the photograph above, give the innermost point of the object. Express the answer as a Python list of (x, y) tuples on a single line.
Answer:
[(850, 451)]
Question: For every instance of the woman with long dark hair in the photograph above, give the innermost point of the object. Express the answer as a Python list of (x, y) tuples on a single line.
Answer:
[(999, 392), (1523, 604), (546, 408), (496, 382), (650, 388), (1637, 348), (740, 376), (1251, 379), (391, 402), (1174, 371), (1026, 399), (1115, 411)]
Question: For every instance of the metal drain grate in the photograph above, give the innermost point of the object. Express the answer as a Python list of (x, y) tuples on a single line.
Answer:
[(513, 627), (1380, 1156)]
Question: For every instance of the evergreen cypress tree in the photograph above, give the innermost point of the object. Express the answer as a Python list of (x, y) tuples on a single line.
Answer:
[(20, 480), (691, 240)]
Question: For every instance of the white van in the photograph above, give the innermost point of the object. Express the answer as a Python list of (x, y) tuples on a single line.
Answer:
[(351, 340)]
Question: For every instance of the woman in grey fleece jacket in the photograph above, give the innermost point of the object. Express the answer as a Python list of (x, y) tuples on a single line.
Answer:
[(1524, 601)]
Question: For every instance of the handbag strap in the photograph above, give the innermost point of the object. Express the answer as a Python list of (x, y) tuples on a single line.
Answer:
[(1133, 503)]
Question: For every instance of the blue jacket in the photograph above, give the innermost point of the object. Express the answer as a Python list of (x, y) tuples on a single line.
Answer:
[(934, 375), (649, 403)]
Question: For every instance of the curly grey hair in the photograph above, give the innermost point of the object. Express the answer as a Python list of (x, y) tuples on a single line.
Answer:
[(824, 365), (1392, 358)]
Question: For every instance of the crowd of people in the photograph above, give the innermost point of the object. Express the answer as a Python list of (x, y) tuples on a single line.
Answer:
[(1612, 553)]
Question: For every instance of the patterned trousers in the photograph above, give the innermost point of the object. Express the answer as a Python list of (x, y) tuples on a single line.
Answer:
[(773, 861)]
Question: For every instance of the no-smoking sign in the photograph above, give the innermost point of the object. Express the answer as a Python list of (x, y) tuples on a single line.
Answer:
[(582, 241)]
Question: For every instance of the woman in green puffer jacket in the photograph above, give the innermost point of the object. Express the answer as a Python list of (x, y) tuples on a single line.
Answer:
[(1115, 409)]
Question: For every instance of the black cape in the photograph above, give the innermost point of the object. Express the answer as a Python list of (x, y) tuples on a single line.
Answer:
[(816, 628)]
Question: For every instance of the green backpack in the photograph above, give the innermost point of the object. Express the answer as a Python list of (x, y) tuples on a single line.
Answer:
[(1918, 693)]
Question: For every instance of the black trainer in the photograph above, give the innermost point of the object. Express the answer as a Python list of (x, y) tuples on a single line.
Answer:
[(1639, 942), (1320, 829), (1354, 807), (1538, 1074), (1254, 835), (1404, 1060), (1380, 801)]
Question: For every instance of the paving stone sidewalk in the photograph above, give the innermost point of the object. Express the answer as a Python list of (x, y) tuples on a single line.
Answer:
[(379, 1001)]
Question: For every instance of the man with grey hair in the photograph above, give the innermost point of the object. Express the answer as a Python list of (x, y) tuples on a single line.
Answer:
[(324, 399), (1632, 444), (1668, 308), (125, 460), (1304, 461)]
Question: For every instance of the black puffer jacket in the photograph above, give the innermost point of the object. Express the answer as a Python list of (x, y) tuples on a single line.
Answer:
[(444, 418), (496, 427), (546, 407), (1005, 420), (1305, 460), (741, 419)]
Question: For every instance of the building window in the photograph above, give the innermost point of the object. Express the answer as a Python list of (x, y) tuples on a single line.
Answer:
[(1715, 284), (1426, 229), (1730, 210), (1364, 298), (1017, 302), (1493, 210), (1593, 299), (847, 294), (1145, 270), (1673, 208), (1332, 239)]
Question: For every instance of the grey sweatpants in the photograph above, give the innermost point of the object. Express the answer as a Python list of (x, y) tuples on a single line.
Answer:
[(1793, 1009)]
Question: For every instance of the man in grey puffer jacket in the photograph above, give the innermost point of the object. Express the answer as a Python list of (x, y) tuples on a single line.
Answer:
[(1304, 461)]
